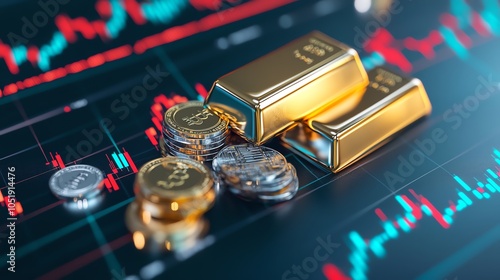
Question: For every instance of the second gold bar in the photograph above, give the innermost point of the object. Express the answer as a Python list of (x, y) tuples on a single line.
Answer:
[(357, 125), (266, 96)]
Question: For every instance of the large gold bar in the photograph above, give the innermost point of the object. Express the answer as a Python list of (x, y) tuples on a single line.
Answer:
[(359, 124), (266, 96)]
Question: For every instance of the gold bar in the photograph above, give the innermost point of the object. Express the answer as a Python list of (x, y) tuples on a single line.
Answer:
[(359, 124), (266, 96)]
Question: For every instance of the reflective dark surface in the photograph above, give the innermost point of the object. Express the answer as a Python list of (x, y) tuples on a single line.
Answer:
[(386, 217)]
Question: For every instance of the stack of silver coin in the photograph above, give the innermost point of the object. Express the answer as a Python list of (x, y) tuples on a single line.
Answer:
[(256, 173), (192, 131)]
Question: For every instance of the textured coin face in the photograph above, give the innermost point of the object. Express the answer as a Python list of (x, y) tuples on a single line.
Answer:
[(249, 163), (76, 181), (191, 119), (171, 178)]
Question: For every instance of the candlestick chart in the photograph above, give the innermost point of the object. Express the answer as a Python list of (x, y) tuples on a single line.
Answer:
[(89, 82)]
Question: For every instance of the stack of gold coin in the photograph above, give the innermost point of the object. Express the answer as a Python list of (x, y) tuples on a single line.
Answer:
[(172, 194), (192, 131)]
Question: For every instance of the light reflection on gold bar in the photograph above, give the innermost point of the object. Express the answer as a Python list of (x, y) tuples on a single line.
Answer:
[(359, 124), (266, 96)]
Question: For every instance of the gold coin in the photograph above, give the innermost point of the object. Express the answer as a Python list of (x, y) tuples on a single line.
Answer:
[(179, 209), (191, 119), (173, 234), (171, 178)]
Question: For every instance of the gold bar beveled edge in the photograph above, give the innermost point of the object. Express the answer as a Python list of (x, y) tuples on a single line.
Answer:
[(320, 70), (354, 87), (345, 56), (342, 49), (336, 166), (421, 95)]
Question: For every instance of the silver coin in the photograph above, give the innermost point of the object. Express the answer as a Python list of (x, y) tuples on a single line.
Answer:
[(76, 181), (197, 141), (265, 186), (219, 185), (166, 152), (249, 163), (286, 193), (194, 157), (193, 151), (214, 145)]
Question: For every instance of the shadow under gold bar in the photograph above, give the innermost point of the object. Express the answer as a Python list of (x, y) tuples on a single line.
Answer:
[(266, 96), (360, 123)]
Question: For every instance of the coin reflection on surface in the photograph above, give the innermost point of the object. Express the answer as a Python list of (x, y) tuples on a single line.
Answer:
[(375, 6), (161, 234), (139, 240), (79, 205)]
